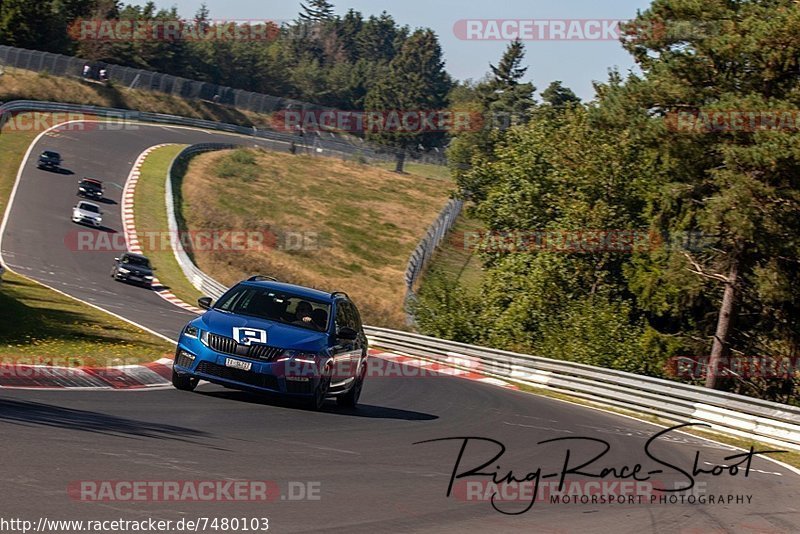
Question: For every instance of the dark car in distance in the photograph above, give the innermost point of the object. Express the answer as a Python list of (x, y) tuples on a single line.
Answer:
[(90, 188), (133, 268), (49, 160)]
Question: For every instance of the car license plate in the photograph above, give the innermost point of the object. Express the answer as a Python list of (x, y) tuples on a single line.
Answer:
[(238, 364), (136, 278)]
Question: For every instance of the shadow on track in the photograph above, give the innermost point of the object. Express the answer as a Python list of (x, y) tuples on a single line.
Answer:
[(364, 410), (38, 414)]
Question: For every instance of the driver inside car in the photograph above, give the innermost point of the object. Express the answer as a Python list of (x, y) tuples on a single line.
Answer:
[(303, 313)]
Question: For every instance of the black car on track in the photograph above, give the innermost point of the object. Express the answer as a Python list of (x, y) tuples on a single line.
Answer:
[(49, 160), (90, 188), (133, 268)]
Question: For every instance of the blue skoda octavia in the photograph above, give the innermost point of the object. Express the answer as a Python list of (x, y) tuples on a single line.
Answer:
[(270, 337)]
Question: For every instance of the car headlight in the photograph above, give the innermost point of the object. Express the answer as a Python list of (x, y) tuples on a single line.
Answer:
[(148, 277), (191, 331), (123, 270)]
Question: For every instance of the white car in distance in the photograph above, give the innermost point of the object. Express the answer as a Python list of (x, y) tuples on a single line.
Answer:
[(87, 213)]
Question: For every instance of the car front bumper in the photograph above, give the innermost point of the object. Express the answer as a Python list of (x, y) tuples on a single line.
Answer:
[(133, 279), (196, 360), (87, 221)]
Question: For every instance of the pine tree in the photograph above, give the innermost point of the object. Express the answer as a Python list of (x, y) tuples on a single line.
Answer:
[(505, 100), (316, 11), (737, 186), (559, 97), (416, 81)]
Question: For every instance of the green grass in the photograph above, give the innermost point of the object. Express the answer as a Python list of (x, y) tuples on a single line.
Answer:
[(42, 326), (150, 215), (39, 325)]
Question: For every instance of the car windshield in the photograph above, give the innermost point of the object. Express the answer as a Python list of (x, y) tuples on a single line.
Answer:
[(91, 185), (50, 154), (89, 207), (277, 306), (136, 261)]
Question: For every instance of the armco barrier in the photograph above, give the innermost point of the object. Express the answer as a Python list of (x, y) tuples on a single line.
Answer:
[(322, 143), (198, 278), (770, 422), (69, 66), (428, 245)]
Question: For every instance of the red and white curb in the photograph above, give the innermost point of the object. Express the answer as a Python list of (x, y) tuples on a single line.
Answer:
[(130, 377), (439, 368), (129, 226), (158, 374)]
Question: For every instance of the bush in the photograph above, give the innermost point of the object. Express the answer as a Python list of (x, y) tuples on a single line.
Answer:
[(239, 164), (447, 310)]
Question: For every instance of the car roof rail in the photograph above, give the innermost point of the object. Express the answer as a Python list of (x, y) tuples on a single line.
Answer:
[(261, 277), (340, 294)]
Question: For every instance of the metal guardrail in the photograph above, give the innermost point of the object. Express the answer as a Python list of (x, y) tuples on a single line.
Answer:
[(204, 283), (428, 245), (69, 66), (767, 421), (123, 118)]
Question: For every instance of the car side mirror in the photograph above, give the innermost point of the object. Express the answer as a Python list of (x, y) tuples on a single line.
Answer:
[(204, 302), (346, 333)]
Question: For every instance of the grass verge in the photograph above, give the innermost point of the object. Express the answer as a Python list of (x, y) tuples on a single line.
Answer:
[(42, 326), (151, 222), (326, 223), (39, 325)]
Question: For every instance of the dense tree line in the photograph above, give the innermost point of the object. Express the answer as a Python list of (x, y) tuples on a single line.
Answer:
[(714, 277), (320, 57), (348, 62)]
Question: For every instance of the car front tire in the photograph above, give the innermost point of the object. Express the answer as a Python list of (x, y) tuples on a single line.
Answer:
[(350, 399), (184, 382), (317, 401)]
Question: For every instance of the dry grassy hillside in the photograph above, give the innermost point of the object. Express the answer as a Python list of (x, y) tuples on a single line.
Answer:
[(361, 223)]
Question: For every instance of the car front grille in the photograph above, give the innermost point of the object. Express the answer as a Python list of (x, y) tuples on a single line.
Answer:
[(238, 375), (228, 345)]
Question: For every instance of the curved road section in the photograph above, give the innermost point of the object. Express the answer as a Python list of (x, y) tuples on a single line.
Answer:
[(421, 454)]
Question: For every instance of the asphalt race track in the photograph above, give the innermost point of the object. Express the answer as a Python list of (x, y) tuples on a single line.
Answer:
[(363, 464)]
